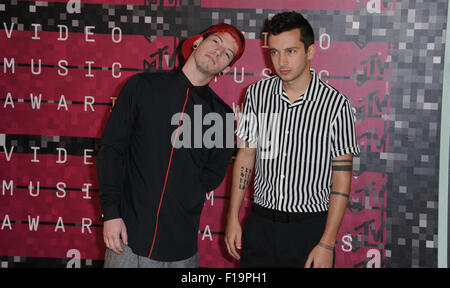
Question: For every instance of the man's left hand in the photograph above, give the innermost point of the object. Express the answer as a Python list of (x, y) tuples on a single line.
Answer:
[(320, 257)]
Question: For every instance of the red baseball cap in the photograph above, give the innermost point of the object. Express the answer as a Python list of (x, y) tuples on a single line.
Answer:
[(237, 35)]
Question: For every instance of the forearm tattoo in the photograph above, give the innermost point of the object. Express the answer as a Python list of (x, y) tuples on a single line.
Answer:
[(346, 167), (244, 178), (339, 194), (342, 161)]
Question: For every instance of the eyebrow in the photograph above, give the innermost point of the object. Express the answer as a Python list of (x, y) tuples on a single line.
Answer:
[(232, 52), (293, 47)]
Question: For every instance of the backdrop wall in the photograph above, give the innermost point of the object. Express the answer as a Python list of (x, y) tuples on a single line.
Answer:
[(63, 64)]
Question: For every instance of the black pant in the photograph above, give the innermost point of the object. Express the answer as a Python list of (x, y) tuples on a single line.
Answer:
[(270, 243)]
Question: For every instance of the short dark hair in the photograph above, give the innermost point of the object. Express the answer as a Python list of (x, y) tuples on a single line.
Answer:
[(287, 21)]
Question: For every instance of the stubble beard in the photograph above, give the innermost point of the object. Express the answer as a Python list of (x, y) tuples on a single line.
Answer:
[(203, 66)]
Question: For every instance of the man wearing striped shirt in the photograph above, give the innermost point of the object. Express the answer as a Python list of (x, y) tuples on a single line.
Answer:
[(299, 137)]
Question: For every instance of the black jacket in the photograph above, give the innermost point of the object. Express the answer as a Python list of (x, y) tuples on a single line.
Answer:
[(134, 155)]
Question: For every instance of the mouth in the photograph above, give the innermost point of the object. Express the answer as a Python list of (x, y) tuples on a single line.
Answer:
[(211, 58), (284, 71)]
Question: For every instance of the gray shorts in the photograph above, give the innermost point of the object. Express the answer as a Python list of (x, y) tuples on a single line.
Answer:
[(127, 259)]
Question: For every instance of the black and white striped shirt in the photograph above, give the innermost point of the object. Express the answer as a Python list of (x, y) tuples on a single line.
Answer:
[(295, 142)]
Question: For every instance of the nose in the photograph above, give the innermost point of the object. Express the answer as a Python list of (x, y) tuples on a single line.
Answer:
[(283, 59), (219, 50)]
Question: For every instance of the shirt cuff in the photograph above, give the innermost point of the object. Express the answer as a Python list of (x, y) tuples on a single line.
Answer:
[(245, 137), (110, 213), (353, 150)]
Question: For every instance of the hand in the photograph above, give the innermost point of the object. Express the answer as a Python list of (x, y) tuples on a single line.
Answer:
[(233, 238), (237, 113), (113, 230), (320, 257)]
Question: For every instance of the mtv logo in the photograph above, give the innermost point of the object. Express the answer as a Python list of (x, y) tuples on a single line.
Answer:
[(376, 67), (163, 54)]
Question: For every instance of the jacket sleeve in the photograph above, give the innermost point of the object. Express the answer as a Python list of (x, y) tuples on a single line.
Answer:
[(215, 169), (219, 158), (113, 147)]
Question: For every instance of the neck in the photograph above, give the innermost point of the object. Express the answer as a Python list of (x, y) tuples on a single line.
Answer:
[(299, 85), (196, 77)]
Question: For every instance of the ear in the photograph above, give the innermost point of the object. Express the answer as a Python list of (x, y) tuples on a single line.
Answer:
[(225, 71), (311, 52), (198, 41)]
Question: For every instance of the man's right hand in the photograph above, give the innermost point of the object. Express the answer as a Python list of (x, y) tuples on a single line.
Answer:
[(113, 230), (233, 238)]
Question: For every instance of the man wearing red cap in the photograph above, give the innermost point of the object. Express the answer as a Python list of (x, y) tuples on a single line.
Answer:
[(152, 190)]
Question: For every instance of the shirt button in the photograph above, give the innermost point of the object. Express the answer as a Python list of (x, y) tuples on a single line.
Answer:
[(287, 131), (284, 154)]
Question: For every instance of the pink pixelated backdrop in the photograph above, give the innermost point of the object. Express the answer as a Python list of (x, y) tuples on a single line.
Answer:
[(64, 62)]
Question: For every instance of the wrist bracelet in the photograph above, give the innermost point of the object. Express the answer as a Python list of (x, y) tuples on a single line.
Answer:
[(323, 245)]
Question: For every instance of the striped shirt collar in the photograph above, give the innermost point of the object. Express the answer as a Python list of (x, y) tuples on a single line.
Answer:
[(309, 95)]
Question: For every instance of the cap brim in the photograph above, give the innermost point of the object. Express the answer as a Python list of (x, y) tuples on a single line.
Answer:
[(187, 47)]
